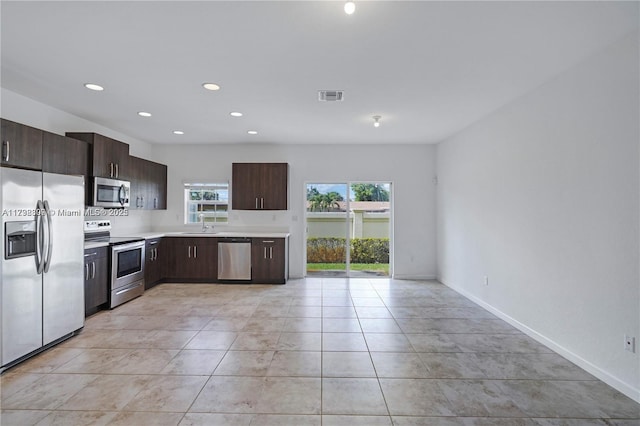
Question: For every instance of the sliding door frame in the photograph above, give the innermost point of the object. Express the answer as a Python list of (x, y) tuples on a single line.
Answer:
[(348, 227)]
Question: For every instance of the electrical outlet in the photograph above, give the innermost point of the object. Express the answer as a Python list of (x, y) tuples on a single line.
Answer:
[(629, 343), (486, 280)]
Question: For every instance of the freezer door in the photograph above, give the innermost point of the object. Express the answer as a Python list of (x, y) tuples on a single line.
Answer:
[(63, 282), (21, 286)]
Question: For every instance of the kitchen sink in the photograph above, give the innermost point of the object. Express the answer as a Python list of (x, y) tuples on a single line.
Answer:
[(198, 233), (204, 234)]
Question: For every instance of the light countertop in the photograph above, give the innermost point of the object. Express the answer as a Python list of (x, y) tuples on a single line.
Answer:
[(94, 244), (192, 234), (220, 234)]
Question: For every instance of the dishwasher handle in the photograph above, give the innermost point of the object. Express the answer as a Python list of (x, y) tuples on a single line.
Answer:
[(234, 240)]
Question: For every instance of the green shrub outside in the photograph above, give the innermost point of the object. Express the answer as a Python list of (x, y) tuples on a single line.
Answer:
[(332, 250)]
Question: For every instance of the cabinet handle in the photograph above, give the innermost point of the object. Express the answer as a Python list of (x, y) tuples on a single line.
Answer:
[(270, 252), (195, 252), (5, 146), (142, 202), (268, 241), (256, 203), (189, 252), (117, 170), (155, 254), (86, 271), (265, 252), (155, 203), (110, 169), (93, 270), (262, 203)]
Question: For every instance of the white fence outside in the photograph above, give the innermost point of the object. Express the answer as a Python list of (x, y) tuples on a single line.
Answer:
[(362, 224)]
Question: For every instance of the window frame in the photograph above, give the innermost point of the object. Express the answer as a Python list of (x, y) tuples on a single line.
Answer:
[(217, 216)]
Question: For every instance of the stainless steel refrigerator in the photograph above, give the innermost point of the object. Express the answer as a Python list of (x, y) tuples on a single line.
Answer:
[(42, 288)]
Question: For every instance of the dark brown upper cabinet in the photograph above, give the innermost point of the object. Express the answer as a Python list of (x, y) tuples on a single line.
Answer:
[(64, 155), (21, 146), (259, 186), (148, 184), (110, 158)]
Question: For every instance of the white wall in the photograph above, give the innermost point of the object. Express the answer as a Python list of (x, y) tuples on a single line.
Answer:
[(542, 197), (409, 167), (21, 109)]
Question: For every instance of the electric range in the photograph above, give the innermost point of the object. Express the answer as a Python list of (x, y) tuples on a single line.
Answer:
[(126, 261)]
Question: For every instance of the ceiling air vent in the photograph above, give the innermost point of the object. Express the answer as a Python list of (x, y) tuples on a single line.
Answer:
[(330, 95)]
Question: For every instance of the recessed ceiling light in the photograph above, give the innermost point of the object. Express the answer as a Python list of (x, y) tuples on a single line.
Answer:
[(235, 114), (376, 120), (210, 86), (349, 7), (144, 114), (252, 132), (178, 132), (95, 87)]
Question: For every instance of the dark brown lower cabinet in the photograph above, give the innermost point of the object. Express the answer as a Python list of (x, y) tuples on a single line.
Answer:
[(268, 260), (192, 259), (96, 279), (156, 255)]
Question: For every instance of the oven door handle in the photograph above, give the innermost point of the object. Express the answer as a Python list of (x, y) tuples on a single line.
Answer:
[(128, 246)]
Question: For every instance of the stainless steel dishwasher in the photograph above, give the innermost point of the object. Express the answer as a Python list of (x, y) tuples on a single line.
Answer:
[(234, 259)]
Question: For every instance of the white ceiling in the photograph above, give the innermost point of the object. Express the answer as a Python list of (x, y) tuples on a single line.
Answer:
[(428, 68)]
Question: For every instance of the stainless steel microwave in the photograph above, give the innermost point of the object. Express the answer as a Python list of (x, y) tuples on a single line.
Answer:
[(111, 192)]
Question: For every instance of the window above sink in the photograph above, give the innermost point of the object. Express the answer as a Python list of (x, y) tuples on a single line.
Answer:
[(208, 201)]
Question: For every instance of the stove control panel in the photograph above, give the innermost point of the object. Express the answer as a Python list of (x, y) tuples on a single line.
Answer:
[(97, 226)]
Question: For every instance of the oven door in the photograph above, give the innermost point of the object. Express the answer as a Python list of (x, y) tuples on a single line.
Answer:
[(127, 264), (110, 192)]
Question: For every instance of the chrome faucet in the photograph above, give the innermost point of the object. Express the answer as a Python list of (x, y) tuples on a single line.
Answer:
[(204, 227)]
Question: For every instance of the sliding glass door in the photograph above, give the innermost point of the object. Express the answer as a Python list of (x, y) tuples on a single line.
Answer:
[(327, 229), (348, 229)]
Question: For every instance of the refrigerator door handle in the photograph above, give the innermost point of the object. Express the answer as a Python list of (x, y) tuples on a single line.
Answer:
[(39, 237), (47, 261)]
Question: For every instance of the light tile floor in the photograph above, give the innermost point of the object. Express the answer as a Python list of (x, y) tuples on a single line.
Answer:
[(311, 352)]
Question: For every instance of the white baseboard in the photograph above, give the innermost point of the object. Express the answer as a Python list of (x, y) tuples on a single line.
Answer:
[(395, 277), (601, 374), (413, 277)]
